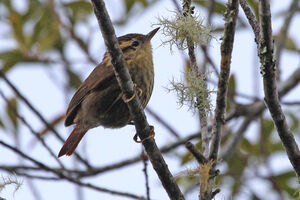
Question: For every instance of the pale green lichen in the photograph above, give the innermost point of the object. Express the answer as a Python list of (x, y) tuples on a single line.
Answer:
[(178, 29), (193, 93), (10, 180)]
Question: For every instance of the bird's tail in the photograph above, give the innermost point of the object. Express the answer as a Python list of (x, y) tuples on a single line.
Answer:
[(72, 141)]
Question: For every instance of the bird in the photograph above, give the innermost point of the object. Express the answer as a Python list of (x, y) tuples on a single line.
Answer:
[(99, 100)]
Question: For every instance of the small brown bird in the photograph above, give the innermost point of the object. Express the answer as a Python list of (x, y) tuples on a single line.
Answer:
[(98, 101)]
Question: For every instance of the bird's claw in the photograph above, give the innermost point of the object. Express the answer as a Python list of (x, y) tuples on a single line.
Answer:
[(151, 136), (139, 91)]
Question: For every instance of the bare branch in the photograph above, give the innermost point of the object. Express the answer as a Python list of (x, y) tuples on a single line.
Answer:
[(251, 19), (136, 111), (196, 153), (144, 158), (36, 134), (39, 115), (253, 111), (282, 36), (226, 50), (71, 32), (62, 176), (162, 122), (270, 86)]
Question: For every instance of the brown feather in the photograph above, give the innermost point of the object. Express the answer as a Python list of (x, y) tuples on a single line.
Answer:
[(98, 79)]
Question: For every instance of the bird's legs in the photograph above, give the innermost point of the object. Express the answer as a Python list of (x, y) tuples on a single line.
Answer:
[(151, 136)]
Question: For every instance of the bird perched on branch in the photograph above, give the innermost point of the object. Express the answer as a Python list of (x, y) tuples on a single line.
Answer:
[(99, 100)]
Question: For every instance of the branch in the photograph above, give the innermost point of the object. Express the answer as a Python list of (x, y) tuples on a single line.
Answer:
[(162, 122), (234, 141), (62, 176), (39, 115), (270, 86), (71, 31), (31, 129), (145, 163), (226, 50), (196, 153), (253, 111), (101, 170), (251, 19), (135, 108), (187, 10), (279, 43)]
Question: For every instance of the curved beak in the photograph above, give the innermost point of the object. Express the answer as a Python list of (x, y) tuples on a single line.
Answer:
[(150, 35)]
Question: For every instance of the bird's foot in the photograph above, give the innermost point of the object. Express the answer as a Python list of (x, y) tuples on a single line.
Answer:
[(129, 99), (139, 91), (151, 136)]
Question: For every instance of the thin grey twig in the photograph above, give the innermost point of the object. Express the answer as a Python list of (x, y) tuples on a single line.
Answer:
[(63, 176), (162, 122), (251, 19), (270, 86), (177, 6), (36, 134), (196, 153), (39, 115), (145, 163), (282, 36), (231, 145), (135, 108), (251, 112), (101, 170), (71, 32)]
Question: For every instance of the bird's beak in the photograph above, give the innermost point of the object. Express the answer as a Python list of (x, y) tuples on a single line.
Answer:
[(150, 35)]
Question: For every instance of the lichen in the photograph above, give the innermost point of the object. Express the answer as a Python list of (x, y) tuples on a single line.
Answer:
[(178, 29), (193, 93), (10, 180)]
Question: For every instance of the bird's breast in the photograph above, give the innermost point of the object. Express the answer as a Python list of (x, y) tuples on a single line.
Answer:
[(142, 75)]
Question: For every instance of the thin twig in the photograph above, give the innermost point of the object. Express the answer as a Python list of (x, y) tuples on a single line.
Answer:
[(209, 60), (251, 19), (196, 153), (135, 108), (101, 170), (251, 112), (145, 163), (177, 6), (36, 134), (234, 141), (282, 36), (270, 86), (61, 175), (71, 32), (162, 122), (39, 115)]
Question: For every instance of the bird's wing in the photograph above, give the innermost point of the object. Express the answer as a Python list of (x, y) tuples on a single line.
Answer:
[(100, 77)]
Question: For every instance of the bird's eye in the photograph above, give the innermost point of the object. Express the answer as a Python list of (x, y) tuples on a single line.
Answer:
[(135, 44)]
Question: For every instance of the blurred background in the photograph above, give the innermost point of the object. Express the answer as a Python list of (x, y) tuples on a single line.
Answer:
[(47, 47)]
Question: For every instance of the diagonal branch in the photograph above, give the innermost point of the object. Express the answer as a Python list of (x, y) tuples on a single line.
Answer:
[(135, 108), (38, 114), (31, 129), (252, 111), (251, 19), (69, 178), (268, 71)]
